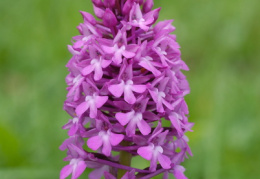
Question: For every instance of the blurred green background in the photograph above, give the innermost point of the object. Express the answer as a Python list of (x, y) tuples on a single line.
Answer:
[(220, 42)]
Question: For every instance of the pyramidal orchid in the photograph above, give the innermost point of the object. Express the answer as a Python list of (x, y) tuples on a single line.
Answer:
[(125, 95)]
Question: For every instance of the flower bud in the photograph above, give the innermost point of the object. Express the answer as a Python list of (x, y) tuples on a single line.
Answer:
[(148, 5), (109, 19)]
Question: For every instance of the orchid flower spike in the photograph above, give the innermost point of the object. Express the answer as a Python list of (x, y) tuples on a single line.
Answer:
[(125, 95)]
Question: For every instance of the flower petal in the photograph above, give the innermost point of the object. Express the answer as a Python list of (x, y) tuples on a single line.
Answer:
[(82, 108), (100, 101), (92, 110), (117, 90), (81, 166), (128, 54), (131, 128), (124, 118), (137, 11), (68, 125), (150, 116), (154, 95), (115, 139), (87, 70), (78, 44), (105, 63), (178, 172), (146, 152), (159, 106), (144, 128), (65, 171), (164, 161), (138, 88), (106, 150), (94, 142), (117, 57), (73, 129), (72, 51), (147, 65), (176, 123), (144, 27), (129, 96), (107, 49), (98, 72), (167, 104)]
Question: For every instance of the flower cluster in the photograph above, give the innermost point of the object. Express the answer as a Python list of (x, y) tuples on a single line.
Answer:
[(125, 85)]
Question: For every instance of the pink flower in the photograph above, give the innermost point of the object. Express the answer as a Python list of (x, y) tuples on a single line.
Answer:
[(96, 64), (77, 164), (75, 83), (73, 126), (137, 19), (120, 48), (92, 103), (159, 99), (178, 172), (127, 88), (154, 154), (107, 139), (146, 61), (133, 119), (75, 168)]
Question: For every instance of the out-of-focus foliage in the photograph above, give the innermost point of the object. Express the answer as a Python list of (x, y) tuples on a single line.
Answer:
[(220, 42)]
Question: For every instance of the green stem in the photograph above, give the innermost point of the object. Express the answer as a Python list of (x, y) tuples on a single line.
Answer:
[(125, 159)]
